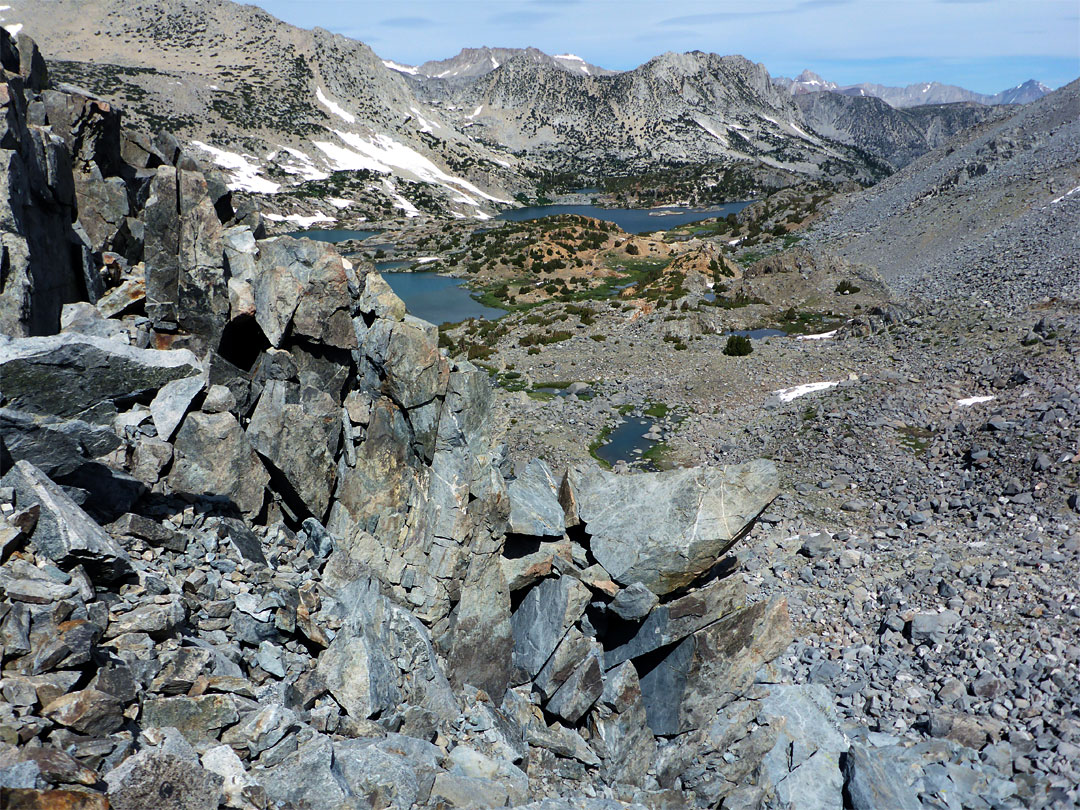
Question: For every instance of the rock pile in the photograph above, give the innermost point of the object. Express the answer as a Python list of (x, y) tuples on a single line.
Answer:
[(257, 545)]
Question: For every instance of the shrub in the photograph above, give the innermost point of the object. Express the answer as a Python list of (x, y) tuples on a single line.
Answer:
[(738, 346), (632, 249)]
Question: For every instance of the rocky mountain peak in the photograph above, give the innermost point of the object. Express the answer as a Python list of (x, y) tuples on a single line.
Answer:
[(474, 62)]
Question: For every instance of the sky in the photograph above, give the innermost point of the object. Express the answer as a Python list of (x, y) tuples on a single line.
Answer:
[(983, 45)]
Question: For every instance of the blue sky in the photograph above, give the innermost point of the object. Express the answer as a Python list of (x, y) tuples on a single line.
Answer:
[(984, 45)]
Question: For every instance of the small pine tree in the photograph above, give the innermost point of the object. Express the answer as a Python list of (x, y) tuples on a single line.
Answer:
[(738, 346)]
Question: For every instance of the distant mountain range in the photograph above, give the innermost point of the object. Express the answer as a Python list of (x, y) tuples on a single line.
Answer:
[(324, 122), (914, 95)]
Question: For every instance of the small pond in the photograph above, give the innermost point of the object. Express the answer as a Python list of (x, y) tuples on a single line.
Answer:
[(627, 443), (438, 299), (631, 220), (334, 235), (757, 334)]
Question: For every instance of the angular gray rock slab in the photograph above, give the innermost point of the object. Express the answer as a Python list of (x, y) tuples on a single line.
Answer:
[(817, 783), (677, 619), (873, 780), (620, 731), (633, 602), (409, 360), (162, 782), (541, 621), (804, 763), (262, 729), (214, 458), (482, 634), (579, 692), (467, 761), (171, 403), (571, 651), (237, 786), (304, 285), (304, 778), (199, 719), (86, 711), (714, 666), (359, 675), (384, 778), (810, 720), (534, 502), (64, 532), (71, 374), (457, 790), (288, 418), (54, 445), (665, 529)]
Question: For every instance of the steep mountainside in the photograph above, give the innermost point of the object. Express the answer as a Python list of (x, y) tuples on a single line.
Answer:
[(676, 108), (914, 95), (1010, 186), (277, 103), (895, 136)]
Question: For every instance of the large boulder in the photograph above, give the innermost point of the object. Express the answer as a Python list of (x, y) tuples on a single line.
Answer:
[(45, 263), (214, 459), (297, 430), (64, 532), (534, 502), (677, 619), (665, 529), (80, 376), (541, 621), (303, 286), (710, 668)]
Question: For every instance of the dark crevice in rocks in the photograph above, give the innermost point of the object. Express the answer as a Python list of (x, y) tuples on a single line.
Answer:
[(242, 341), (294, 509), (521, 545)]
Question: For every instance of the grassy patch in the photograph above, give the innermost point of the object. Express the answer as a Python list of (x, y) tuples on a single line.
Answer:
[(597, 443), (915, 439), (658, 455), (657, 410)]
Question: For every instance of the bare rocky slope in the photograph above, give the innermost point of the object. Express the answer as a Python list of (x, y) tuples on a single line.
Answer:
[(676, 108), (471, 62), (895, 136), (276, 104), (1008, 186)]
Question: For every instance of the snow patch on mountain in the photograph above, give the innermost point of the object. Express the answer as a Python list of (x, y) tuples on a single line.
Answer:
[(300, 220), (400, 68), (406, 206), (335, 108), (385, 155), (243, 171)]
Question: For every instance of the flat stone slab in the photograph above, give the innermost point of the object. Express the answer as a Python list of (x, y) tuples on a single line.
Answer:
[(665, 529), (534, 502), (71, 374)]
